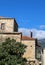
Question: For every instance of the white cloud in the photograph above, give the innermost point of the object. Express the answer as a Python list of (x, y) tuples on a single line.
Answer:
[(42, 26), (36, 33), (25, 31)]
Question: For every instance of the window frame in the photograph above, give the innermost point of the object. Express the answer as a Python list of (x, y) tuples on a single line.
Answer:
[(2, 26)]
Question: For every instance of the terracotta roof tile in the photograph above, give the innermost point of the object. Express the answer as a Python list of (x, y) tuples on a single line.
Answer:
[(27, 38)]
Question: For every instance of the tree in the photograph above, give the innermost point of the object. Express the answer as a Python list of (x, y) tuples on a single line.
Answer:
[(11, 53)]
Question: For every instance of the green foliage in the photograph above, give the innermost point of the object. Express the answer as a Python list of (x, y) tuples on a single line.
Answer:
[(11, 53)]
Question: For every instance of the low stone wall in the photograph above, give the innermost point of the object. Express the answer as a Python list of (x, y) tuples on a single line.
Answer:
[(16, 36)]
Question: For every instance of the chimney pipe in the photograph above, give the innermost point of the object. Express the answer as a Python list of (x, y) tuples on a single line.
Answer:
[(31, 34)]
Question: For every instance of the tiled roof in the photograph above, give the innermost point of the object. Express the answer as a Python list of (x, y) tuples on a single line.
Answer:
[(27, 38)]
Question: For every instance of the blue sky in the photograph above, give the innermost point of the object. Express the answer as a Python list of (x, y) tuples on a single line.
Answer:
[(29, 14)]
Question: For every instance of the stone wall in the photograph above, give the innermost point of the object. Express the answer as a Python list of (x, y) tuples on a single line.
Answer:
[(30, 50), (43, 57), (16, 36), (9, 25)]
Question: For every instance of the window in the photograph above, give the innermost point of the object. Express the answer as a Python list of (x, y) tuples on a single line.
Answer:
[(39, 64), (31, 46), (2, 26)]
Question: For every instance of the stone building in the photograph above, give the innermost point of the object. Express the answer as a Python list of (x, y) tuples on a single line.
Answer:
[(31, 53), (43, 56), (8, 25), (9, 28)]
